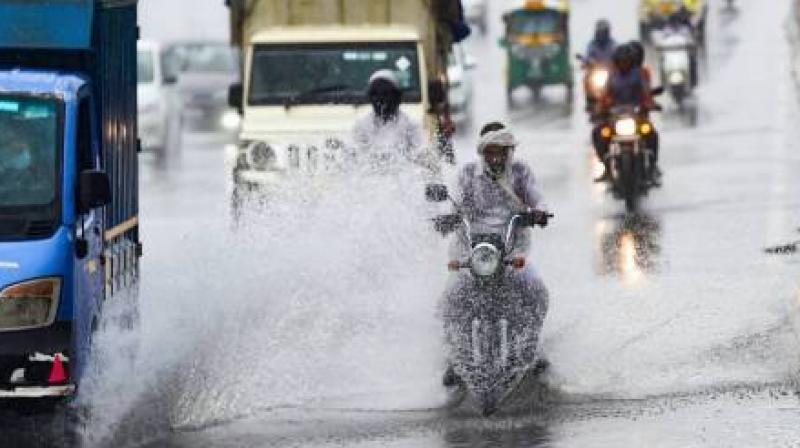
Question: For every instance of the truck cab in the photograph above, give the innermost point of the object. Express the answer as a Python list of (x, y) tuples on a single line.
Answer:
[(68, 229), (305, 69), (305, 87)]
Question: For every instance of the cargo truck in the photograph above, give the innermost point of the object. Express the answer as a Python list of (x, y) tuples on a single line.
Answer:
[(305, 66), (69, 229)]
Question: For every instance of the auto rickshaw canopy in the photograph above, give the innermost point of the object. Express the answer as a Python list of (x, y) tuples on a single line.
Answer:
[(561, 6)]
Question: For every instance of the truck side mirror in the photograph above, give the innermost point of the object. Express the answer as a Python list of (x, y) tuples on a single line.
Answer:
[(94, 190), (437, 93), (436, 193), (235, 93)]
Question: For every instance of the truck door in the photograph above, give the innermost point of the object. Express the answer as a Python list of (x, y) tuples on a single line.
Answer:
[(89, 271)]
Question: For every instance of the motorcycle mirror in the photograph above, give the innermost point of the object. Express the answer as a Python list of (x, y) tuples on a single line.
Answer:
[(447, 224), (436, 193), (657, 91), (580, 57)]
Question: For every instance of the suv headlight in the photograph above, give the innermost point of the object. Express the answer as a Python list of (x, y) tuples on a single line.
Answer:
[(30, 304), (485, 260), (625, 127), (261, 156)]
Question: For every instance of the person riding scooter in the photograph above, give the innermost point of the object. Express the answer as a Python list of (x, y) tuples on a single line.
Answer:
[(628, 86), (597, 64), (490, 191), (386, 134)]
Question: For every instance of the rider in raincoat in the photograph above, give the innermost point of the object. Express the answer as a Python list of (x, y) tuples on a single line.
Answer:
[(386, 135), (490, 192)]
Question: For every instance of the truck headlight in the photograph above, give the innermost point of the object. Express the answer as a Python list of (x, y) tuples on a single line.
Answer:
[(30, 304), (485, 260), (261, 156), (625, 127)]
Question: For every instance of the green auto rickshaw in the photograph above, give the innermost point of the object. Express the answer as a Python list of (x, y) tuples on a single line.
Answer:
[(537, 44)]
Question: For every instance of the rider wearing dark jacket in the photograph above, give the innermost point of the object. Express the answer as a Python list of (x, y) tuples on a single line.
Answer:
[(629, 85), (601, 48)]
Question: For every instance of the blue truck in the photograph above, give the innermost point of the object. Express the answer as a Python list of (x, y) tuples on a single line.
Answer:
[(69, 228)]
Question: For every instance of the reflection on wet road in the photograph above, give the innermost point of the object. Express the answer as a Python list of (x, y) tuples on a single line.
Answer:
[(316, 327), (628, 246)]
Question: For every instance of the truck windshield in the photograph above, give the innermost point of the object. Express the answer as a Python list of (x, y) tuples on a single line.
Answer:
[(29, 161), (329, 73)]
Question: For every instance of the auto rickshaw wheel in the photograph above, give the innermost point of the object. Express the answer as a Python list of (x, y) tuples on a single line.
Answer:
[(510, 97), (537, 93)]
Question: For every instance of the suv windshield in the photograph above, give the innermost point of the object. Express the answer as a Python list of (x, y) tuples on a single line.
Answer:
[(29, 161), (329, 73)]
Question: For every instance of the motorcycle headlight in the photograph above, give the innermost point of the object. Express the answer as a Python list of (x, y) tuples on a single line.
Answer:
[(485, 259), (625, 127), (261, 156), (599, 78), (32, 304), (677, 78)]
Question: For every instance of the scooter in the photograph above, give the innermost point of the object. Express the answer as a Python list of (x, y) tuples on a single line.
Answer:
[(491, 327), (677, 61), (595, 83)]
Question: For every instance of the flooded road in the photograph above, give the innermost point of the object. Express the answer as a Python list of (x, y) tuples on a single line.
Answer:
[(314, 324)]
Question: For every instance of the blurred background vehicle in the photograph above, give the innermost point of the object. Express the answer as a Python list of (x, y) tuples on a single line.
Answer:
[(477, 13), (204, 70), (459, 72), (158, 128)]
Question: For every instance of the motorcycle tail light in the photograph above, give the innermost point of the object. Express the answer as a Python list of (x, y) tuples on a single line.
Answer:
[(646, 128)]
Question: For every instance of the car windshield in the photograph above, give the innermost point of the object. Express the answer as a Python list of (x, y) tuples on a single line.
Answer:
[(201, 57), (145, 71), (29, 161), (534, 22), (329, 73)]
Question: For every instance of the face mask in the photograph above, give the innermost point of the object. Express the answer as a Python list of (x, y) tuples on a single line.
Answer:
[(385, 104), (20, 161)]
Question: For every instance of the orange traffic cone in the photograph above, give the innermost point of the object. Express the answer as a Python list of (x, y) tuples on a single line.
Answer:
[(57, 373)]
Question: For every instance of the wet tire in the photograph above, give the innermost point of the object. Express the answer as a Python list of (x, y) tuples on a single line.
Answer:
[(628, 181)]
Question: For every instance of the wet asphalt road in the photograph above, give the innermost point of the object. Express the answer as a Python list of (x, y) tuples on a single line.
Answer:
[(669, 327)]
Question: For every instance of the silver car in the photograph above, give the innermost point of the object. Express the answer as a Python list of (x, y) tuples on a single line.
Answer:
[(204, 71)]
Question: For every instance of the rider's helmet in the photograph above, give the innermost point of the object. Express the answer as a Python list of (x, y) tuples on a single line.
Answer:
[(496, 149), (385, 94), (602, 31), (638, 51), (625, 58)]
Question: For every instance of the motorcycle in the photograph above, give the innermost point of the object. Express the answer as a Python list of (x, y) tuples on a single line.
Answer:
[(491, 327), (595, 83), (631, 160), (677, 61)]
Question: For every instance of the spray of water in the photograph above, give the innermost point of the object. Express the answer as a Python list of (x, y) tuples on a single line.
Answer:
[(325, 296)]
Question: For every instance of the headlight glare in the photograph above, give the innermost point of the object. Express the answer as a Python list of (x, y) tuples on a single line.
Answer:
[(230, 120), (598, 79), (625, 127), (31, 304), (485, 260), (677, 78)]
